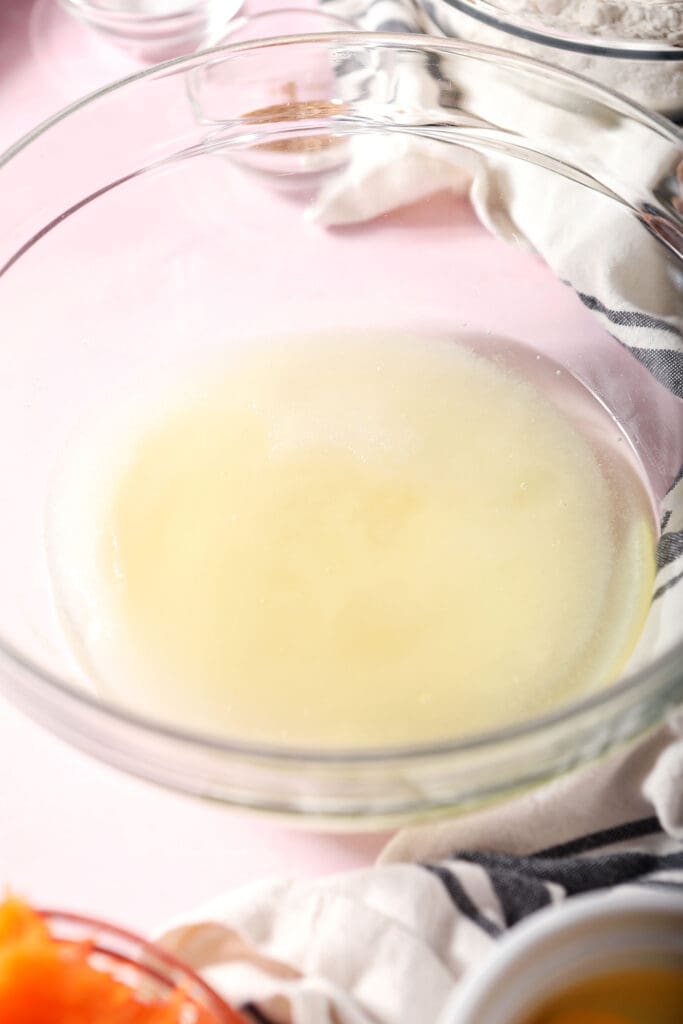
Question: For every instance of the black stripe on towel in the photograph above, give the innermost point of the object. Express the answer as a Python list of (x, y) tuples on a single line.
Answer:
[(667, 586), (629, 318), (605, 837), (522, 885), (579, 874), (669, 548), (518, 894), (665, 365), (462, 901)]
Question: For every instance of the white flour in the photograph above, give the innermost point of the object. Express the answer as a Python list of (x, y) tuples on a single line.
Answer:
[(657, 84), (648, 19)]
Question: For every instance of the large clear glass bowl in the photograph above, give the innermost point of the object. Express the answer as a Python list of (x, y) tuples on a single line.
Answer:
[(184, 205)]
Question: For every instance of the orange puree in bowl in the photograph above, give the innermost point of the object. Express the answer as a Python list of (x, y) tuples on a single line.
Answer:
[(45, 981), (637, 996)]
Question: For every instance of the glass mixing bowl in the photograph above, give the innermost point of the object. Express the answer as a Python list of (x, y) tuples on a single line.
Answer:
[(253, 188), (633, 46)]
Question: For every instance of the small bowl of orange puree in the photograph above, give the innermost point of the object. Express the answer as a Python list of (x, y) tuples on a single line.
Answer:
[(61, 968), (601, 959)]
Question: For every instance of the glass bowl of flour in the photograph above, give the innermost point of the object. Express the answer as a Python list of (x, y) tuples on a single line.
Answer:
[(631, 46), (342, 425)]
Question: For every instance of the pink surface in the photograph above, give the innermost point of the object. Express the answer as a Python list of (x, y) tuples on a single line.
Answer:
[(74, 833)]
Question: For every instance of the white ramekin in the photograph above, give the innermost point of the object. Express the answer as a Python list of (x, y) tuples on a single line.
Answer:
[(565, 944)]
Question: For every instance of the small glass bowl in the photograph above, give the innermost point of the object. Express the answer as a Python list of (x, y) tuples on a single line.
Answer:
[(157, 220), (280, 21), (607, 41), (139, 964), (155, 30)]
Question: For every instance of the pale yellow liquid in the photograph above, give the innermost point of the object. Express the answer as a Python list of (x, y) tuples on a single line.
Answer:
[(351, 541)]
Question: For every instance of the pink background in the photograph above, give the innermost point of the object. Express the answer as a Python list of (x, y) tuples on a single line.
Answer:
[(73, 833)]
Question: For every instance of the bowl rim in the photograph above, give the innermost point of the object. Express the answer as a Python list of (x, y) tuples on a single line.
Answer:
[(116, 17), (664, 671), (144, 947), (531, 934), (525, 26)]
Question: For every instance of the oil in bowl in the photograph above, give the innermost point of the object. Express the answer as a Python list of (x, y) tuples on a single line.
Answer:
[(597, 958), (354, 540), (645, 995)]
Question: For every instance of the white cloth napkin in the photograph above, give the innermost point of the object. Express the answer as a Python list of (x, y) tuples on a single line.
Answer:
[(389, 945)]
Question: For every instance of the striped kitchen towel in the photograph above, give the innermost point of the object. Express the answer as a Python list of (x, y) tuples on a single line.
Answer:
[(390, 944)]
